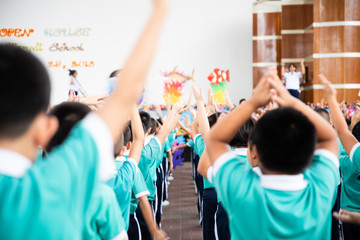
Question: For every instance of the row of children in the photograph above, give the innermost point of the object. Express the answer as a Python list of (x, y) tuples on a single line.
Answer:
[(273, 173), (75, 189)]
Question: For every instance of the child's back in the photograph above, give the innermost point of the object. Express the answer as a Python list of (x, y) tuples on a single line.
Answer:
[(292, 193)]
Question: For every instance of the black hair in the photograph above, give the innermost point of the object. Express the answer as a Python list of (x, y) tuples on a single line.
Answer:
[(145, 119), (131, 136), (323, 113), (124, 139), (242, 135), (348, 121), (72, 72), (68, 114), (127, 135), (292, 64), (242, 100), (114, 73), (213, 118), (356, 131), (285, 140), (24, 91), (153, 125)]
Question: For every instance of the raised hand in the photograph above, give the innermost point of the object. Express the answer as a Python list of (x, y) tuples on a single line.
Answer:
[(329, 90), (262, 95), (158, 111), (281, 95), (198, 94), (211, 101)]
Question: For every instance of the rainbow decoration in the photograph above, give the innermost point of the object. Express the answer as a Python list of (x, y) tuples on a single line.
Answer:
[(218, 79)]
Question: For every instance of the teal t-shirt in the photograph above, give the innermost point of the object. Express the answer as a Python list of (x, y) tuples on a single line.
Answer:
[(163, 153), (122, 183), (350, 189), (355, 156), (50, 199), (139, 189), (190, 143), (172, 137), (199, 147), (278, 206), (147, 164), (103, 219)]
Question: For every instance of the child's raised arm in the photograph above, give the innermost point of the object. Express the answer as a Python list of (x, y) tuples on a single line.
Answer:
[(347, 139), (131, 83), (326, 136), (171, 120), (223, 132), (202, 115), (138, 135)]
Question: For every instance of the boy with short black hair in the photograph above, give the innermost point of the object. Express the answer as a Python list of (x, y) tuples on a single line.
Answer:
[(81, 161), (291, 197)]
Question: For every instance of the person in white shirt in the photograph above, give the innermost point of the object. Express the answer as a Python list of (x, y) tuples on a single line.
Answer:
[(292, 78), (73, 83)]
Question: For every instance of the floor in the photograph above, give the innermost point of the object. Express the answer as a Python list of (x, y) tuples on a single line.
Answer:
[(180, 219)]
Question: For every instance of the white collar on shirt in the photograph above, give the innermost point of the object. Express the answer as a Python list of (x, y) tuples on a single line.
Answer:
[(240, 151), (120, 159), (147, 140), (13, 164), (281, 182)]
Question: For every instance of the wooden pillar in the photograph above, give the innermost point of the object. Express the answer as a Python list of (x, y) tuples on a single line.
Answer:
[(297, 39), (266, 37), (337, 47)]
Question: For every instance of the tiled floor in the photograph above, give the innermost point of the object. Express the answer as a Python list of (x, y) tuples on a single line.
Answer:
[(180, 219)]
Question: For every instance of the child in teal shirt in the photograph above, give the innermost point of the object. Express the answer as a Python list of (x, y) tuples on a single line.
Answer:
[(293, 193), (39, 201)]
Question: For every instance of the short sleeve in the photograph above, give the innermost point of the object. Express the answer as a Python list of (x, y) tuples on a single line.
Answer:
[(167, 147), (139, 189), (299, 74), (124, 178), (232, 179), (355, 155), (323, 172), (109, 222), (149, 155), (199, 144), (104, 143), (190, 143), (341, 149)]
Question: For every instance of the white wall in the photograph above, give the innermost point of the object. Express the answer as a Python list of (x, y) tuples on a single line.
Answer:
[(199, 34)]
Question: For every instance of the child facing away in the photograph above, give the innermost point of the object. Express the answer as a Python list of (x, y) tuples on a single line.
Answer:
[(349, 159), (103, 216), (33, 200), (293, 194)]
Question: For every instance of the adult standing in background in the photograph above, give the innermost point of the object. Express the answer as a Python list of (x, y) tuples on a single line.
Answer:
[(73, 84), (292, 78)]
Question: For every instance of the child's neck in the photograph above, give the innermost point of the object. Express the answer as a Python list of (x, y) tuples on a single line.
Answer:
[(22, 145)]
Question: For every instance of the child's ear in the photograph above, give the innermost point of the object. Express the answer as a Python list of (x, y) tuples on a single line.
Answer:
[(148, 131), (45, 128), (254, 156), (128, 145)]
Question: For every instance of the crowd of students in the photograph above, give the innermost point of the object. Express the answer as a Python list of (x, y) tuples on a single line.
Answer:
[(272, 168)]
